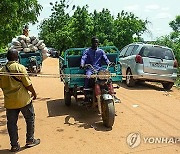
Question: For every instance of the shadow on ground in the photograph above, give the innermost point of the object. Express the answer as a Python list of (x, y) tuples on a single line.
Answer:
[(7, 151), (143, 86), (76, 115)]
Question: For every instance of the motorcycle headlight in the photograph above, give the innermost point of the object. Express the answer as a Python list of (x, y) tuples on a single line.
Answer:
[(104, 74)]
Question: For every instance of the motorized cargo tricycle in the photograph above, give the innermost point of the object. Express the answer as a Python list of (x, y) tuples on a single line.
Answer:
[(101, 92), (31, 60)]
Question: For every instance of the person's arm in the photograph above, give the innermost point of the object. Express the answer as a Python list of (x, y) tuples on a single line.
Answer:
[(105, 57), (84, 57), (31, 89), (27, 82)]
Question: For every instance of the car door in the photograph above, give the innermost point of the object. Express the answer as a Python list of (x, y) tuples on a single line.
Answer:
[(121, 60), (127, 61)]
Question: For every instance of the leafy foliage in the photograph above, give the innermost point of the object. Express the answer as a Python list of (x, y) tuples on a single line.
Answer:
[(81, 27), (126, 26), (173, 39), (175, 24), (103, 25), (62, 30), (56, 30), (3, 50), (14, 15)]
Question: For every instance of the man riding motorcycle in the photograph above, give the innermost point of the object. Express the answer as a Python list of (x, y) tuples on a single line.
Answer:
[(93, 56)]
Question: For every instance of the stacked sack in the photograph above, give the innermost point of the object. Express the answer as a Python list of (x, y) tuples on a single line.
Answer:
[(29, 44)]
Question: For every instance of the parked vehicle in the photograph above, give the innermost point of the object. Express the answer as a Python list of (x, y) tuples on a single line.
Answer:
[(53, 52), (101, 92), (147, 62), (31, 60), (3, 59)]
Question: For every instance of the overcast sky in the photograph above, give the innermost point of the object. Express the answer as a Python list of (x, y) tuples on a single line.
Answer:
[(158, 12)]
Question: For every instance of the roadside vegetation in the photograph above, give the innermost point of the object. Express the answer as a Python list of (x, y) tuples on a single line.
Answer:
[(71, 26), (14, 15), (173, 41)]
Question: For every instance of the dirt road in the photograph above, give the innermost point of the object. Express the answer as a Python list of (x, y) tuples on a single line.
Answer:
[(146, 109)]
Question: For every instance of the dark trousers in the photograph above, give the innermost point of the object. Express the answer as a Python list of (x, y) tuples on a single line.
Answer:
[(12, 118), (87, 79)]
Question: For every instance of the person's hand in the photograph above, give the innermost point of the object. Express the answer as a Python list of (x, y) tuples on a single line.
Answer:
[(34, 96), (112, 64), (81, 67), (33, 93)]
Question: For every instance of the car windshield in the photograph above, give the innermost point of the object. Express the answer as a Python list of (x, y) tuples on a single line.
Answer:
[(157, 52)]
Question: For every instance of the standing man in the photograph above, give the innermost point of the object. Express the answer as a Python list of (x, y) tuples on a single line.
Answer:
[(17, 99)]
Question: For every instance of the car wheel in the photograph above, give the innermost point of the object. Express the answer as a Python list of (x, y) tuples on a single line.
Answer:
[(130, 82), (167, 85)]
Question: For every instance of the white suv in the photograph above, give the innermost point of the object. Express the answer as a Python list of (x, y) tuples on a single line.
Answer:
[(147, 62)]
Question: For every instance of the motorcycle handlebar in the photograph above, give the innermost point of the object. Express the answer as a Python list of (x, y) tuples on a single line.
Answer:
[(90, 66)]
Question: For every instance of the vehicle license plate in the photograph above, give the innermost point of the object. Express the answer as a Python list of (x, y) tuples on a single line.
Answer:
[(159, 65)]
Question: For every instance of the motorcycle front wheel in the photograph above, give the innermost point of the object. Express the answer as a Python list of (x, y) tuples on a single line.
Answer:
[(108, 113)]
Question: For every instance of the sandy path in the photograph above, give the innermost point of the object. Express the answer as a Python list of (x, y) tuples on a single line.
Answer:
[(146, 109)]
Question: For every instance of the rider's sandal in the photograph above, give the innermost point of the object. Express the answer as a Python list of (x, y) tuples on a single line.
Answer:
[(33, 143)]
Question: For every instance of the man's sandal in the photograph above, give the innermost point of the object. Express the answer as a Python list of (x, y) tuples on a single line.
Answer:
[(33, 143)]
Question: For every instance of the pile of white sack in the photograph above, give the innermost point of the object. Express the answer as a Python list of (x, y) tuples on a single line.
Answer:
[(29, 44)]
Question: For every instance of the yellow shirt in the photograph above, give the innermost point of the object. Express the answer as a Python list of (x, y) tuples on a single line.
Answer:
[(15, 93)]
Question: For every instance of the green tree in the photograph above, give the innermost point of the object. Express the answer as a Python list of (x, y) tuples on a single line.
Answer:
[(82, 26), (126, 26), (103, 25), (175, 24), (14, 15), (173, 39), (62, 30), (55, 30), (175, 36)]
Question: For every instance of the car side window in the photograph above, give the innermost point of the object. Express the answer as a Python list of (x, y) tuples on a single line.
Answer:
[(129, 50), (123, 51), (145, 52), (134, 50), (168, 55)]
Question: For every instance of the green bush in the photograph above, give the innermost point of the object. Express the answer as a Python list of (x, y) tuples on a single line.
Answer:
[(2, 50), (177, 83)]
